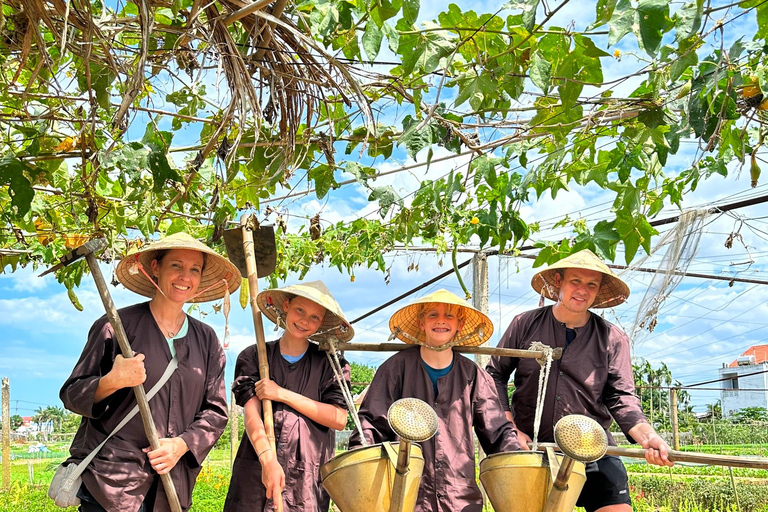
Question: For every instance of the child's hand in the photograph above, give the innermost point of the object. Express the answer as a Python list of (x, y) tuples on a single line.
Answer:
[(272, 476), (267, 389)]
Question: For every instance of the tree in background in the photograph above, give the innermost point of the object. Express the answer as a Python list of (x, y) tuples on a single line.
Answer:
[(16, 421), (360, 375), (751, 414), (98, 104)]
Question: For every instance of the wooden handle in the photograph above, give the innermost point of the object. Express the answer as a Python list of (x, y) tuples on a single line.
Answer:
[(491, 351), (141, 395), (397, 497), (699, 458), (261, 344)]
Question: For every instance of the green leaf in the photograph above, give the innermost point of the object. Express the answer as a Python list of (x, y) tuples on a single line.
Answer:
[(688, 19), (157, 160), (651, 117), (101, 82), (423, 51), (621, 22), (386, 196), (653, 21), (393, 36), (19, 188), (540, 72), (322, 175), (603, 13), (686, 58), (411, 10), (372, 40), (529, 13)]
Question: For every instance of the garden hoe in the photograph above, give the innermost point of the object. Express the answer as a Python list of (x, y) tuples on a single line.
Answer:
[(254, 261), (88, 251)]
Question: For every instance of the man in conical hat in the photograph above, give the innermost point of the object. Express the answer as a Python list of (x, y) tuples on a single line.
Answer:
[(462, 394), (594, 376)]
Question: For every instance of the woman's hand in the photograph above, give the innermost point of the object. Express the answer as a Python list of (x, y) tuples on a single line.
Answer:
[(125, 373), (267, 389), (164, 459), (272, 476)]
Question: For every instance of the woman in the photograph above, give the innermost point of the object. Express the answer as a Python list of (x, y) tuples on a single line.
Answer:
[(308, 404), (189, 411)]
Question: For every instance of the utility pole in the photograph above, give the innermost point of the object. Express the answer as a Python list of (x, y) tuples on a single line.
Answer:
[(480, 294), (6, 398)]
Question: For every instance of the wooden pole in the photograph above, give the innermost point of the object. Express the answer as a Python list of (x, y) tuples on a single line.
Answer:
[(6, 392), (480, 301), (557, 353), (698, 458), (234, 429), (247, 224), (480, 295), (673, 415)]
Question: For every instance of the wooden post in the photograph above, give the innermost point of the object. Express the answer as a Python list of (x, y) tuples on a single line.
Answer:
[(480, 301), (234, 428), (480, 294), (673, 415), (6, 392)]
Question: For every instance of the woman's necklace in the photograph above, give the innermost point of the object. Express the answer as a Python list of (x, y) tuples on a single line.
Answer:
[(170, 333)]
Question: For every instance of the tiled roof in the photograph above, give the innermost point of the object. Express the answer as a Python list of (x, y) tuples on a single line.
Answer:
[(759, 351)]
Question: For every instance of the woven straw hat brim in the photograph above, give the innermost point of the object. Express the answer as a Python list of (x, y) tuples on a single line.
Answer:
[(613, 291), (271, 302), (216, 268), (406, 319)]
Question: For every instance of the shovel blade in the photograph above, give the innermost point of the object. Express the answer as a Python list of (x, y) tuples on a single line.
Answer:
[(263, 247)]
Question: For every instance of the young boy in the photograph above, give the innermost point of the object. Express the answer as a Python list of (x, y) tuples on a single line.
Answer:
[(307, 401), (462, 394)]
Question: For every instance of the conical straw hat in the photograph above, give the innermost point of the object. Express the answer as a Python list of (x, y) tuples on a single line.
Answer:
[(216, 268), (334, 324), (613, 291), (405, 322)]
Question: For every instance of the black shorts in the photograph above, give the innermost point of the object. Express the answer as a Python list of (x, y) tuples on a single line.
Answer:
[(606, 484)]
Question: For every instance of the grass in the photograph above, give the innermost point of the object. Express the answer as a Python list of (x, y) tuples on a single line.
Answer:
[(686, 488)]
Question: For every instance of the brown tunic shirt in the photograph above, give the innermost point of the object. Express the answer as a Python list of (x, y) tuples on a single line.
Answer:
[(466, 398), (593, 378), (191, 405), (302, 445)]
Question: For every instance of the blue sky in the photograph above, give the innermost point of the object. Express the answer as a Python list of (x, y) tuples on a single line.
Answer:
[(704, 324)]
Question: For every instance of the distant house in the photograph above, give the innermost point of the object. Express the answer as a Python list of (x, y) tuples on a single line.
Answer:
[(747, 372)]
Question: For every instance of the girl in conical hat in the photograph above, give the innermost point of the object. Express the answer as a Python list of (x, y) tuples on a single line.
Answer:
[(308, 403), (189, 410), (462, 394)]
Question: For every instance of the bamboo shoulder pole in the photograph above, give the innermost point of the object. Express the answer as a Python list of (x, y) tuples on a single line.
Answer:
[(698, 458), (396, 347)]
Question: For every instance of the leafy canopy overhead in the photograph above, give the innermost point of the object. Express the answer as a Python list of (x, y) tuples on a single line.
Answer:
[(128, 119)]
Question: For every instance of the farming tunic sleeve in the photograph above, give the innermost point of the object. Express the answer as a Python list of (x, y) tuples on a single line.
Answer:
[(594, 377), (191, 405), (466, 399), (302, 445)]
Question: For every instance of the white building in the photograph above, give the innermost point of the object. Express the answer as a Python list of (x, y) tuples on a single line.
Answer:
[(748, 372)]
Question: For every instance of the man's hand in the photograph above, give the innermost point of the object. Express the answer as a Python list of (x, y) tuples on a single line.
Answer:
[(525, 441), (656, 449), (164, 459)]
